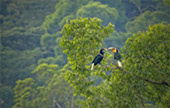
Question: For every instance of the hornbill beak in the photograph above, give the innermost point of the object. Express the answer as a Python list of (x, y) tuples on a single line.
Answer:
[(105, 49), (113, 49)]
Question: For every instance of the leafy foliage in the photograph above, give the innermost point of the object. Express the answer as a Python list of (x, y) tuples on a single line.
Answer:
[(142, 22), (24, 93), (107, 90), (80, 37), (17, 64), (6, 96), (147, 54), (65, 8), (96, 9), (117, 39), (48, 89), (120, 7)]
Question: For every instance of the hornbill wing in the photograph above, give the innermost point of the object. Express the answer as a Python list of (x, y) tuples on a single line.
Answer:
[(97, 59), (117, 56)]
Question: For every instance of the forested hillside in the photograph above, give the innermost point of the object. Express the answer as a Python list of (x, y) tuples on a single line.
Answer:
[(47, 47)]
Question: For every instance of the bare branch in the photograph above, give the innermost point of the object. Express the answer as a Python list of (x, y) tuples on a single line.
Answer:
[(58, 105), (55, 103)]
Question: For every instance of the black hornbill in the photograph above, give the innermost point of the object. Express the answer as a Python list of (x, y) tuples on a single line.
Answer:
[(117, 56), (98, 58)]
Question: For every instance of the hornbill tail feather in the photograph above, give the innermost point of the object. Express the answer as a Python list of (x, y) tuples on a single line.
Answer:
[(119, 63), (92, 66)]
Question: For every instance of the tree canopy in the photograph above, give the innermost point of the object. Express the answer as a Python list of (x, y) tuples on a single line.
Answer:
[(145, 61)]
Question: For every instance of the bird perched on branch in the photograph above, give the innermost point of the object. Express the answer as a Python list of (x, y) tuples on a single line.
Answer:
[(117, 56), (98, 58)]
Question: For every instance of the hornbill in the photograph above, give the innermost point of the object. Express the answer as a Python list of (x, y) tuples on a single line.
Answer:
[(98, 58), (117, 56)]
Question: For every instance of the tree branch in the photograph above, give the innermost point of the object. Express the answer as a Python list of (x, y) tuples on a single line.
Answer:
[(145, 79), (139, 77), (58, 105)]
